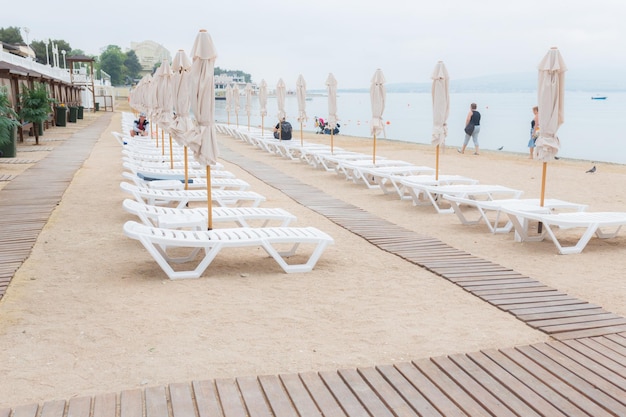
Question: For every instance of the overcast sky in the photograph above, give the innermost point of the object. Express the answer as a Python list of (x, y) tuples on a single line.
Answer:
[(272, 39)]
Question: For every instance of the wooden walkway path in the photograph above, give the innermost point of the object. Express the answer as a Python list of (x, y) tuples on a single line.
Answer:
[(581, 373)]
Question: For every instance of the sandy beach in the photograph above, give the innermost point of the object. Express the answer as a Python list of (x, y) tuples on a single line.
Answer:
[(90, 311)]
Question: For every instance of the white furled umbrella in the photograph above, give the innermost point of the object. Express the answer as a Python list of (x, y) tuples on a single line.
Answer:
[(262, 103), (331, 85), (377, 96), (182, 124), (301, 95), (156, 105), (550, 99), (166, 104), (281, 92), (203, 107), (229, 102), (248, 91), (236, 96), (441, 108)]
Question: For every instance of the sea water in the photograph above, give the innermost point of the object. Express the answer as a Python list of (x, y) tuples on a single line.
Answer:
[(592, 130)]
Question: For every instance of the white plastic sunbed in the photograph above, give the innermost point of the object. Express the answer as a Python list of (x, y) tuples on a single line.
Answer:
[(223, 198), (158, 241), (593, 223), (386, 177), (550, 205), (242, 216), (432, 193), (410, 185)]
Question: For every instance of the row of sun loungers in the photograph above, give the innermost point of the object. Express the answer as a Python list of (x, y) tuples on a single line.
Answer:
[(168, 226), (492, 204)]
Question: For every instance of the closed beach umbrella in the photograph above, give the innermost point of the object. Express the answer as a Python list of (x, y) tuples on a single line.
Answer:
[(281, 92), (550, 99), (236, 96), (441, 108), (248, 91), (182, 124), (203, 107), (262, 102), (377, 97), (229, 102), (166, 103), (331, 86), (301, 95)]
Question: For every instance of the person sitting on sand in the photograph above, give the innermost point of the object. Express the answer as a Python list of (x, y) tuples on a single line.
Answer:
[(140, 126), (285, 130)]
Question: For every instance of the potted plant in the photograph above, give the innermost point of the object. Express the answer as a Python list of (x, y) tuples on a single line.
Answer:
[(35, 106), (8, 125)]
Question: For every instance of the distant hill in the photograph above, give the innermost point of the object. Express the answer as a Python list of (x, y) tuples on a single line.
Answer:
[(598, 82)]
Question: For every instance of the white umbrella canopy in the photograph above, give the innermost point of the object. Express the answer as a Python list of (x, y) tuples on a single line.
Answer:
[(248, 91), (262, 101), (166, 102), (301, 96), (182, 122), (331, 86), (202, 87), (203, 143), (550, 99), (154, 94), (281, 92), (229, 101), (236, 96), (441, 108), (377, 97)]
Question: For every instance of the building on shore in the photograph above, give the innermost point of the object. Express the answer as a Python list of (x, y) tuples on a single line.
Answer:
[(149, 54)]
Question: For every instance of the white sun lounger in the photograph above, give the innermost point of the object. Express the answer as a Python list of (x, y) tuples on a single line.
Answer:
[(243, 216), (158, 241), (351, 169), (223, 198), (173, 174), (592, 223), (385, 177), (217, 183), (526, 204), (410, 185), (432, 193)]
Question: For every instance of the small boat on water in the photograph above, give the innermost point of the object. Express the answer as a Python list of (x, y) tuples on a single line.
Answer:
[(598, 97)]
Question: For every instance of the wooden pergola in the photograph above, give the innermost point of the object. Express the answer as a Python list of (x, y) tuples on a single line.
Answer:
[(77, 79)]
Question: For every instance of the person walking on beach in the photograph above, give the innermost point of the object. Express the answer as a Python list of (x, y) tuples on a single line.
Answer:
[(472, 129), (534, 131)]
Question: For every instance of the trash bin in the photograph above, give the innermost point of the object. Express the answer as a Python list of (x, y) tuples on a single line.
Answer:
[(73, 114), (61, 114), (97, 106), (9, 150), (81, 110)]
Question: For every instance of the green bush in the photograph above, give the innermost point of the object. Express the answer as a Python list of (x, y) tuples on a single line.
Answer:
[(8, 117)]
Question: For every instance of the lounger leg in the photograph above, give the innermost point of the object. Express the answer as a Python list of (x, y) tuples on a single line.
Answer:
[(306, 267)]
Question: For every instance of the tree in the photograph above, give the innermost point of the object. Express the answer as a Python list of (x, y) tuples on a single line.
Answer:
[(11, 35), (132, 67), (112, 62)]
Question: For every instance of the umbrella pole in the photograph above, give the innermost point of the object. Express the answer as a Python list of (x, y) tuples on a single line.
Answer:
[(156, 134), (437, 164), (162, 142), (332, 150), (248, 123), (301, 140), (262, 127), (171, 152), (543, 193), (374, 151), (186, 169), (209, 197)]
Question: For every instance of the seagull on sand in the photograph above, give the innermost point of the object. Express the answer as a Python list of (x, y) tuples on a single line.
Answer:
[(500, 148), (592, 170)]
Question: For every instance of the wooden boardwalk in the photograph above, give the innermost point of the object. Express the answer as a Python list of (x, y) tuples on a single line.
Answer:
[(582, 372)]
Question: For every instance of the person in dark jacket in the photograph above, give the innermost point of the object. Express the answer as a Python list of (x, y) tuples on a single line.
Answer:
[(472, 124)]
